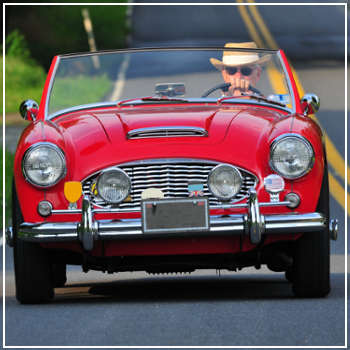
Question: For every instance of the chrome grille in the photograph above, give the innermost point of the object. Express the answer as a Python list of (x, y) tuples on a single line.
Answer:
[(172, 177)]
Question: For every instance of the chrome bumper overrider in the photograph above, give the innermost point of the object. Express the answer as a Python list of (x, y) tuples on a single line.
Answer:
[(252, 224)]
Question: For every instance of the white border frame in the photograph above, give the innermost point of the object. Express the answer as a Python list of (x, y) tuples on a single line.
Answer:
[(345, 158)]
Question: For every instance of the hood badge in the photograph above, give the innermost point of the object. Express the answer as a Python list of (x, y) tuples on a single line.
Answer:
[(196, 190), (274, 184)]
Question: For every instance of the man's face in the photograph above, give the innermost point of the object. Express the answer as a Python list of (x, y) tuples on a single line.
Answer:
[(240, 77)]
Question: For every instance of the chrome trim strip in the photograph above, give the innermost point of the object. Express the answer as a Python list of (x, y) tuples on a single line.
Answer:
[(252, 224), (113, 211), (219, 225), (173, 48), (167, 131)]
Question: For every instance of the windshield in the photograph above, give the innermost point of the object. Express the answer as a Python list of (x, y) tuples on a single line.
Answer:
[(160, 75)]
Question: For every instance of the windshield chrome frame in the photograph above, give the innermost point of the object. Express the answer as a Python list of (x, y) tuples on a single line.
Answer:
[(48, 116), (290, 88), (48, 95)]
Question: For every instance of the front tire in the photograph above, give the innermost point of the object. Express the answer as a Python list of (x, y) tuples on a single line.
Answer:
[(33, 269), (59, 275), (312, 256)]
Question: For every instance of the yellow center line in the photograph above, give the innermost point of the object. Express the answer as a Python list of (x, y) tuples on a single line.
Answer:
[(263, 28), (250, 26), (274, 75), (334, 157)]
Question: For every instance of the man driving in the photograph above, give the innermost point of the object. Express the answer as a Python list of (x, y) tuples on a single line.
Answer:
[(241, 69)]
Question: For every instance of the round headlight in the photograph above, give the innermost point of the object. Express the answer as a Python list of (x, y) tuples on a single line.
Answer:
[(291, 156), (113, 185), (224, 181), (44, 164)]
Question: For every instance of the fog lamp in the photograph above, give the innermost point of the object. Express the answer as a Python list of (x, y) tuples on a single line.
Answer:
[(294, 200), (224, 181), (45, 208), (113, 185)]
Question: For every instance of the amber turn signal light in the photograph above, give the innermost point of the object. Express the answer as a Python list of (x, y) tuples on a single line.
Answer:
[(72, 191)]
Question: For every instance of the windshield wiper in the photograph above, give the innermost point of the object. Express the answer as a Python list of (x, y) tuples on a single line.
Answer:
[(152, 99), (256, 97), (163, 99), (122, 102), (262, 98)]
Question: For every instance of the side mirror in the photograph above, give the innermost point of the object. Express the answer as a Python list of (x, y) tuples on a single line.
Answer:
[(29, 110), (310, 103)]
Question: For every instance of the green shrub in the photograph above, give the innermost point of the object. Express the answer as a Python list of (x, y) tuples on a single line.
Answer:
[(23, 80), (16, 45), (57, 29)]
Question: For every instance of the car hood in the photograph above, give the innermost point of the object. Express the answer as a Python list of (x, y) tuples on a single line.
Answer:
[(233, 134)]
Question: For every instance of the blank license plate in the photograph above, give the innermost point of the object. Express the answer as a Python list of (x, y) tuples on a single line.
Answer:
[(175, 215)]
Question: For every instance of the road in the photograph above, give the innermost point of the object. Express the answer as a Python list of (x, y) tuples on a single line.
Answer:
[(249, 308)]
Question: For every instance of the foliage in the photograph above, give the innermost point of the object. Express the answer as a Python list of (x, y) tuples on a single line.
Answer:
[(9, 157), (57, 29), (23, 80), (16, 45)]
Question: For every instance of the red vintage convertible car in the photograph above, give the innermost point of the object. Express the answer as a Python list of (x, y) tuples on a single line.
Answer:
[(170, 160)]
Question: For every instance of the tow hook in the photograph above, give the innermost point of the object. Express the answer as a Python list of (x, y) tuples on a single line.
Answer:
[(333, 229)]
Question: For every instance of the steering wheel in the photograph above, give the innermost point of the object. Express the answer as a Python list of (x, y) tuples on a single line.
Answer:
[(224, 88)]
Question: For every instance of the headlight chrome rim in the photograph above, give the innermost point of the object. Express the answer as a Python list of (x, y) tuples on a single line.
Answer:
[(225, 199), (122, 172), (283, 137), (60, 154)]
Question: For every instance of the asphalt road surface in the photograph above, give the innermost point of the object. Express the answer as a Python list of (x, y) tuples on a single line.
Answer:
[(207, 308)]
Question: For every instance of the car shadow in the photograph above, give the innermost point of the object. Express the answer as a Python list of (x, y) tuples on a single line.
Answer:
[(184, 288)]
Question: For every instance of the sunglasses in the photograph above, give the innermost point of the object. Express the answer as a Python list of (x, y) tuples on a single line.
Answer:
[(244, 70)]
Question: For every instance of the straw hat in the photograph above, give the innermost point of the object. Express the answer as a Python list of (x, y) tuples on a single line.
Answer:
[(239, 58)]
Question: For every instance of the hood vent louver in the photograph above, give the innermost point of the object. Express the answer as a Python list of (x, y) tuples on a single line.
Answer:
[(166, 131)]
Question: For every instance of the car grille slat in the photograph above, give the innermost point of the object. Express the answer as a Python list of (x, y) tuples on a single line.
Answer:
[(172, 177)]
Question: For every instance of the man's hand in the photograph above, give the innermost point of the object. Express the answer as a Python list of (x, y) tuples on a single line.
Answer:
[(237, 86)]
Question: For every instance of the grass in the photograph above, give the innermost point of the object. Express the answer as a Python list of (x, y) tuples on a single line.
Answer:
[(8, 185), (23, 80)]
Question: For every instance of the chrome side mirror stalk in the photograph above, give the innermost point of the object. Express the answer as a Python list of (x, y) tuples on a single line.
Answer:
[(29, 110), (310, 104)]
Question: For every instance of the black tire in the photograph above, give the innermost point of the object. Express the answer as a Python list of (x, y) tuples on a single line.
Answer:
[(289, 275), (312, 256), (59, 275), (33, 269)]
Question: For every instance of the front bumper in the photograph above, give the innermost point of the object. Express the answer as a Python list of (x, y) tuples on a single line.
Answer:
[(252, 224)]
